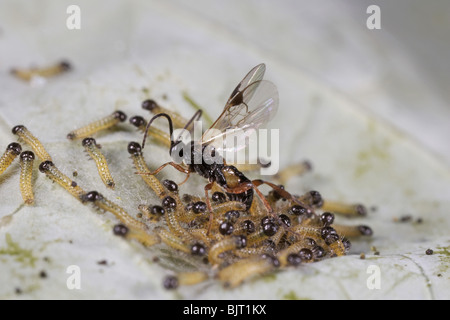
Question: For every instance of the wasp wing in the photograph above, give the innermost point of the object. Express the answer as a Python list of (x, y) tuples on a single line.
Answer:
[(246, 110), (254, 75)]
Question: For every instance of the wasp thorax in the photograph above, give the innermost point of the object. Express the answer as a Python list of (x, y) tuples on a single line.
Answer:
[(211, 156)]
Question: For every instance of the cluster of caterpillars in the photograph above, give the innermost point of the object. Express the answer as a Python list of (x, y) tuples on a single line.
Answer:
[(239, 243)]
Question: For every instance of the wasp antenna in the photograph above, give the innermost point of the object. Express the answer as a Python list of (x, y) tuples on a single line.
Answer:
[(197, 115), (151, 121)]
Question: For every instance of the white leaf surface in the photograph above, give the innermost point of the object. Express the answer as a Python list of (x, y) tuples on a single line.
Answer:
[(352, 102)]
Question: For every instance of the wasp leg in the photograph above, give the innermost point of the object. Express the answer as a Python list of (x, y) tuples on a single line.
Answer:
[(254, 185), (283, 193), (243, 187), (174, 165), (240, 189), (135, 150), (188, 173)]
